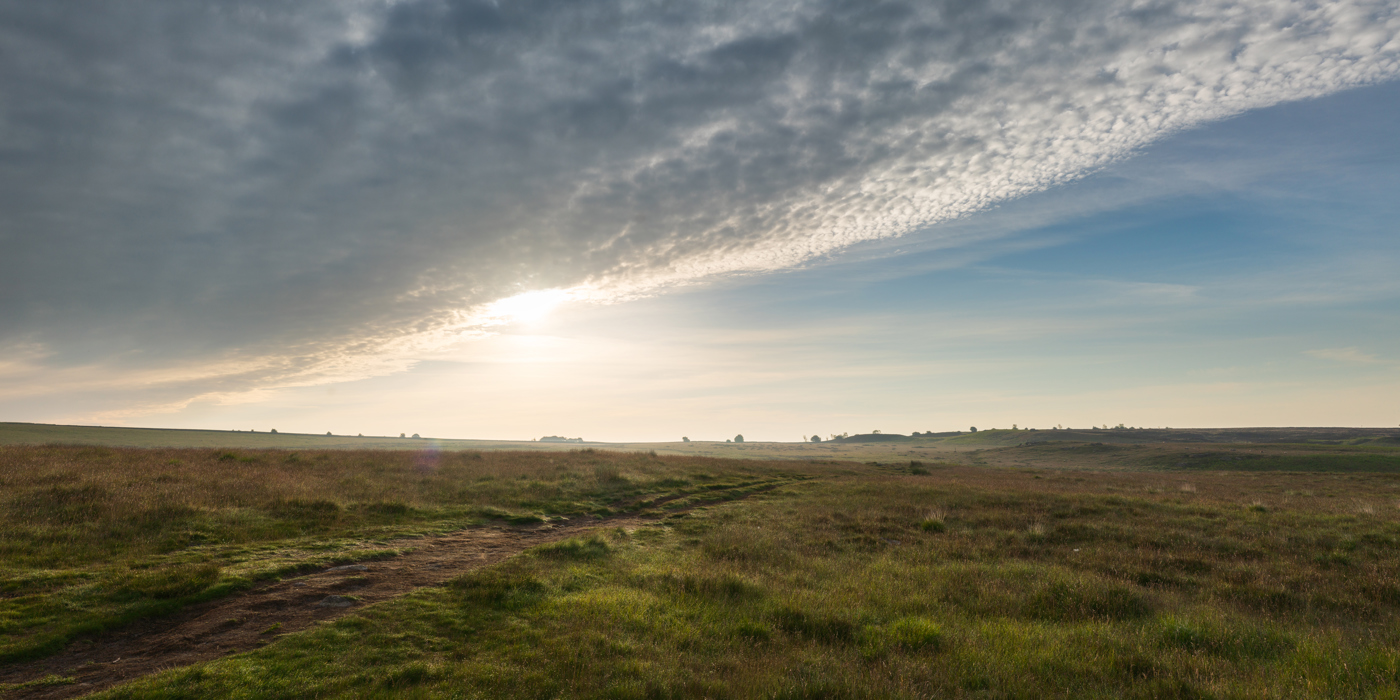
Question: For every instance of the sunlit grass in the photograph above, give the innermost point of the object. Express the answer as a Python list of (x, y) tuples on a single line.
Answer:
[(837, 588), (93, 538)]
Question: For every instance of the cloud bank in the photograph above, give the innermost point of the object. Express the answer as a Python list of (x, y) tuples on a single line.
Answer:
[(252, 195)]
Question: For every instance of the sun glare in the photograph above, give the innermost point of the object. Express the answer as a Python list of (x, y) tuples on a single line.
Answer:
[(529, 307)]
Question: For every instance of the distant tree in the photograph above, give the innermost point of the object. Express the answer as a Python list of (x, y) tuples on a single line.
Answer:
[(415, 436), (816, 438), (728, 440), (328, 433), (1013, 427), (685, 439), (738, 438), (402, 435), (360, 435), (274, 431), (973, 429), (874, 432)]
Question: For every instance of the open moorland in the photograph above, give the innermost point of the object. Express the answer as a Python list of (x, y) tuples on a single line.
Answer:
[(1089, 565), (860, 448)]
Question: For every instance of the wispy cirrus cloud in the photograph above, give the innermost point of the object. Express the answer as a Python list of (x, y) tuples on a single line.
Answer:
[(1347, 355), (321, 191)]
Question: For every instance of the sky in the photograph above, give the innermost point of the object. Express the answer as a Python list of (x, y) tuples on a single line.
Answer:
[(636, 221)]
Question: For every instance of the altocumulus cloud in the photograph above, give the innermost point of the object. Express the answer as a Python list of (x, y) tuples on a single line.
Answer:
[(276, 194)]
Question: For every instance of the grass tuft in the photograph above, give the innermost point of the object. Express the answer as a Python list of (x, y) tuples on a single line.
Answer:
[(577, 549)]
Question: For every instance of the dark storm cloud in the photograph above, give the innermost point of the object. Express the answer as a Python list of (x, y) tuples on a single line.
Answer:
[(279, 190)]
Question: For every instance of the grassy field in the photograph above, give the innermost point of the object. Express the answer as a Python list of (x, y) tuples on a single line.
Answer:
[(95, 538), (879, 448), (1044, 576)]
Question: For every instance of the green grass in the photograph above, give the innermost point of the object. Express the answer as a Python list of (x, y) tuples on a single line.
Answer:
[(840, 588), (92, 539), (1387, 461), (947, 447)]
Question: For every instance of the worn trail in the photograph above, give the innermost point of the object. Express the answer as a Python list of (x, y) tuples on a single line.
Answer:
[(256, 617)]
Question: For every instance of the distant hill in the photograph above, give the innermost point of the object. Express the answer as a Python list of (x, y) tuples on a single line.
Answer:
[(1317, 436), (864, 448), (874, 437), (43, 434)]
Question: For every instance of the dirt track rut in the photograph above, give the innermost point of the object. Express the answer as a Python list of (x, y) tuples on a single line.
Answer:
[(241, 622)]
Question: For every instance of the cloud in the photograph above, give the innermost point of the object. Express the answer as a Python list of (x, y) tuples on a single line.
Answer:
[(1347, 355), (318, 191)]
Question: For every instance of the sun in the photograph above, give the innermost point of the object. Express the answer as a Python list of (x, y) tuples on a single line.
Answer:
[(530, 307)]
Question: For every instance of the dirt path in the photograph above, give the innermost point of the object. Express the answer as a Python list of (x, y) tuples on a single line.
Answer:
[(242, 622)]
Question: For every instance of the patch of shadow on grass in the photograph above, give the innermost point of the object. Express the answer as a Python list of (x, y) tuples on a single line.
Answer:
[(1086, 600), (505, 588), (818, 689), (1168, 689), (725, 587), (305, 510), (166, 583), (410, 675), (63, 505), (1234, 641), (392, 509), (906, 635), (827, 629), (576, 549)]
